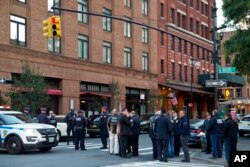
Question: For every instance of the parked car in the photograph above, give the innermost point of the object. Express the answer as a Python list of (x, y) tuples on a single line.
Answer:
[(244, 125), (145, 123), (61, 127), (195, 129), (93, 128)]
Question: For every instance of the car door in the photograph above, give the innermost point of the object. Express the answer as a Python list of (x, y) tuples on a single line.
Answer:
[(245, 123)]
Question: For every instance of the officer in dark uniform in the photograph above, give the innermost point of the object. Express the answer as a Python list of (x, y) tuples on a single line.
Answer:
[(69, 120), (26, 111), (135, 133), (43, 118), (52, 119), (80, 123), (104, 127)]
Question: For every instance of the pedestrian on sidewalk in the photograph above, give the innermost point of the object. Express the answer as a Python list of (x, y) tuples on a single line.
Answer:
[(152, 133), (177, 143), (208, 137), (230, 134), (215, 129), (113, 137), (162, 133), (184, 130), (135, 134)]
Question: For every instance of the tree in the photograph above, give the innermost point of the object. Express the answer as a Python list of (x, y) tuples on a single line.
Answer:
[(28, 90), (236, 11)]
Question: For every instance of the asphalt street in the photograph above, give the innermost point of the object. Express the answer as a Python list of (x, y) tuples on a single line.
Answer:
[(65, 156)]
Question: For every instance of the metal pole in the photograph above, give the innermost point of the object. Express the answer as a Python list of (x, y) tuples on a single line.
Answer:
[(191, 108), (215, 53)]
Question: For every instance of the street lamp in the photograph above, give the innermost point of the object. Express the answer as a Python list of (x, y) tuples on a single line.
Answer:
[(192, 62)]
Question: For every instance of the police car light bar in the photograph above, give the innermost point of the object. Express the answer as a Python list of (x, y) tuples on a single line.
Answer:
[(5, 107)]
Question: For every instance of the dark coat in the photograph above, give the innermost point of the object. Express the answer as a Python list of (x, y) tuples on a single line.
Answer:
[(184, 127), (104, 123), (53, 121), (230, 130), (215, 125), (135, 125), (162, 128), (176, 123), (206, 124), (43, 118), (70, 118), (152, 125), (124, 125)]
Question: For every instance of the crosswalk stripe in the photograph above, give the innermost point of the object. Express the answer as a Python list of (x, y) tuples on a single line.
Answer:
[(145, 153)]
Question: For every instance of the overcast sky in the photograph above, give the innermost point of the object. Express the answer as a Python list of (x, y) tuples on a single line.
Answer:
[(220, 18)]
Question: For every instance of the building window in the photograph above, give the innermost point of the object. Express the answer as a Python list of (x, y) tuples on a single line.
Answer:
[(198, 5), (183, 21), (191, 24), (127, 58), (54, 45), (107, 52), (198, 52), (144, 7), (172, 15), (191, 3), (145, 61), (197, 27), (180, 73), (107, 22), (207, 52), (172, 43), (203, 54), (162, 66), (191, 50), (162, 9), (179, 45), (162, 38), (17, 30), (23, 1), (185, 47), (54, 3), (198, 73), (144, 34), (202, 7), (127, 28), (83, 47), (206, 32), (178, 19), (186, 73), (173, 71), (83, 7), (127, 3), (206, 10)]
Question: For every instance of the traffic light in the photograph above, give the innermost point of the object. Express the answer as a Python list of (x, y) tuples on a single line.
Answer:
[(56, 26), (47, 29)]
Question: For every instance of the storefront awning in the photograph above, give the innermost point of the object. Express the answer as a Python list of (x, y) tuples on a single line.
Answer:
[(55, 92), (185, 88), (236, 102), (96, 94)]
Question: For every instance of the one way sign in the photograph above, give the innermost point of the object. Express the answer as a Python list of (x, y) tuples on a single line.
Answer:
[(216, 83)]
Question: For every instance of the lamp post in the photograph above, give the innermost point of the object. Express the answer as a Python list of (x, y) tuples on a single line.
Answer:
[(192, 62)]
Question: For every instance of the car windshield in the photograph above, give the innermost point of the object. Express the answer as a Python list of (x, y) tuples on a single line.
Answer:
[(10, 119), (197, 125), (97, 120)]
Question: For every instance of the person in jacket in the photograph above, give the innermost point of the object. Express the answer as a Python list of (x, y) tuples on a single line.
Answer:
[(208, 137), (171, 136), (52, 119), (135, 120), (80, 123), (152, 133), (43, 118), (124, 131), (70, 127), (162, 133), (112, 128), (184, 130), (177, 143), (26, 111), (230, 134), (215, 129), (104, 127)]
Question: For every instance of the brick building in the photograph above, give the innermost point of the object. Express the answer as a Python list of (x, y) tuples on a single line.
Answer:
[(92, 53), (184, 52)]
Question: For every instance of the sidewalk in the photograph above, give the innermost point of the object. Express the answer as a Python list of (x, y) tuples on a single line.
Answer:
[(202, 156)]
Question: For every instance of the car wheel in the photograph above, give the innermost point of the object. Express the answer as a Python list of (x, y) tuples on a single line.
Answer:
[(241, 134), (14, 145), (46, 149)]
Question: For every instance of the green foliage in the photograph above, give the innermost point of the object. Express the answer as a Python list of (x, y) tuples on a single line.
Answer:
[(238, 45), (29, 90)]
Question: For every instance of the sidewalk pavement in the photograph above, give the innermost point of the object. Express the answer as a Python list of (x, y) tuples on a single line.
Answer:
[(202, 156)]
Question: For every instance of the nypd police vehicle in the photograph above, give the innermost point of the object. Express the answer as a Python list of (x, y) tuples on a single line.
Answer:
[(19, 133)]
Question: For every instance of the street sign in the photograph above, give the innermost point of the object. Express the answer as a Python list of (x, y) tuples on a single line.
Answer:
[(216, 83), (227, 70)]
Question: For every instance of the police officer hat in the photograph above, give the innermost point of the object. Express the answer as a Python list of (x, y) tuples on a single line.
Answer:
[(80, 111)]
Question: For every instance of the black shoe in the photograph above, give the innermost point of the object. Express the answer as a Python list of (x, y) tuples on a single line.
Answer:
[(83, 149), (76, 148), (103, 148), (135, 155), (165, 160), (126, 156), (185, 160)]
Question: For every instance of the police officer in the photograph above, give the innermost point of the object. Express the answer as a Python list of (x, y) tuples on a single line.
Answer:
[(104, 127), (26, 111), (135, 133), (80, 123), (52, 119), (43, 118), (113, 138), (69, 120)]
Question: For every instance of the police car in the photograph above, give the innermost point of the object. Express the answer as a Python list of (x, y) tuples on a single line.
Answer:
[(19, 133)]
